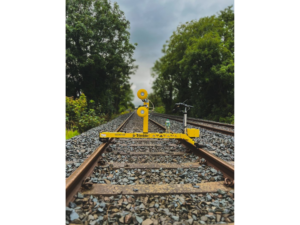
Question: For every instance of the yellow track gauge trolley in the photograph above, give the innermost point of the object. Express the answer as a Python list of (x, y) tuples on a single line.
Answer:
[(188, 133)]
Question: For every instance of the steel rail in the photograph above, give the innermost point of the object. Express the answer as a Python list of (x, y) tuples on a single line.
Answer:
[(211, 160), (75, 180), (201, 120), (219, 130)]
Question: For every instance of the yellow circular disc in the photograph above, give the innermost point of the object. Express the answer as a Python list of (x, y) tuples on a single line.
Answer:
[(142, 111), (142, 94)]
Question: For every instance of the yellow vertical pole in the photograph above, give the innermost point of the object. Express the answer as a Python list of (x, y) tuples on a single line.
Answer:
[(145, 121)]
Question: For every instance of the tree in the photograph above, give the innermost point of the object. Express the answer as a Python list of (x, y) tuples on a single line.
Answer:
[(127, 98), (98, 53), (198, 65), (155, 99)]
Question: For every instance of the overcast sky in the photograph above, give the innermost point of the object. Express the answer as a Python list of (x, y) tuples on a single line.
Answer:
[(152, 23)]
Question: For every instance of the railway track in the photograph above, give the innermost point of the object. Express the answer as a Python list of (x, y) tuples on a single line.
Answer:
[(157, 181), (223, 128)]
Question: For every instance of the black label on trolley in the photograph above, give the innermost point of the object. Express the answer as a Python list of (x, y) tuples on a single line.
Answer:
[(140, 135)]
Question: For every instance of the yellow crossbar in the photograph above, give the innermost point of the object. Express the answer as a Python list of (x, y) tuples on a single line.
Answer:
[(148, 135)]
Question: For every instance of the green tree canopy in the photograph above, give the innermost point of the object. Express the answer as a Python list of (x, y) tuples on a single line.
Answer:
[(98, 52), (198, 65), (155, 99)]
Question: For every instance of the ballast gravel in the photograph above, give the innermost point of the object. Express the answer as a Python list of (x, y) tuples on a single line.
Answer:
[(80, 147), (184, 209), (187, 209), (209, 124), (122, 176), (195, 120), (220, 145), (111, 157)]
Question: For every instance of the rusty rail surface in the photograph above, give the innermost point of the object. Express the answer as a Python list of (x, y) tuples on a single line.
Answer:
[(74, 181), (216, 129), (200, 120), (211, 160)]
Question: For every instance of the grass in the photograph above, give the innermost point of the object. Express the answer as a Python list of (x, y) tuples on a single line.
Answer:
[(71, 133)]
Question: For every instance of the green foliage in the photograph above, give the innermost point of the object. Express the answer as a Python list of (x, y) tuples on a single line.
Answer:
[(71, 133), (131, 106), (198, 65), (159, 106), (89, 120), (160, 109), (125, 112), (99, 56), (127, 98), (80, 116), (155, 99), (228, 119), (111, 116)]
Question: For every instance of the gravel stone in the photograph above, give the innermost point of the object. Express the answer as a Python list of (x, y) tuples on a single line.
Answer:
[(153, 209), (147, 222), (220, 145), (72, 205), (79, 147), (74, 216), (231, 218)]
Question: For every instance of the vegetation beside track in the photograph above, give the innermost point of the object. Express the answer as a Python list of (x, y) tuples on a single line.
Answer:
[(198, 65), (99, 62), (71, 133), (99, 58), (81, 116)]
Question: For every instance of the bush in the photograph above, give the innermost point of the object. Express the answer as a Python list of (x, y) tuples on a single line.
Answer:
[(228, 119), (125, 112), (89, 120), (160, 109), (81, 117), (70, 133)]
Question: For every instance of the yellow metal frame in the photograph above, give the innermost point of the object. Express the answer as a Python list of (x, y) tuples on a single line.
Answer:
[(142, 94), (190, 131), (146, 118), (146, 135)]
